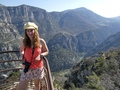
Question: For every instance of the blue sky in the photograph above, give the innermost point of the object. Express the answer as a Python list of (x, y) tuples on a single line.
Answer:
[(106, 8)]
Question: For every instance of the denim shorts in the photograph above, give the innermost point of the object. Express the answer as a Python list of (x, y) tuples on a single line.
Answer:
[(32, 74)]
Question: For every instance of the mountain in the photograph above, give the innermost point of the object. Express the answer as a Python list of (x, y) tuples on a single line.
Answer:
[(79, 20), (111, 42), (69, 34), (63, 51), (64, 41)]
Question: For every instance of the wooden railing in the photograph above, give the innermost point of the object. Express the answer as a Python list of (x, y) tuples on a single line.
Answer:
[(47, 83)]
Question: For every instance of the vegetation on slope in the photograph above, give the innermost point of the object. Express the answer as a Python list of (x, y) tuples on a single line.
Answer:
[(100, 72)]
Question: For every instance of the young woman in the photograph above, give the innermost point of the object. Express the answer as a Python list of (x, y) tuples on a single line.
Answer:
[(32, 48)]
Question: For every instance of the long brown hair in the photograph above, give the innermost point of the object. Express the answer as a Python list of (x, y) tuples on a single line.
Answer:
[(36, 40)]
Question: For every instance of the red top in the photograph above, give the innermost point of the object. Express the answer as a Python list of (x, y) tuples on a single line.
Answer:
[(29, 58)]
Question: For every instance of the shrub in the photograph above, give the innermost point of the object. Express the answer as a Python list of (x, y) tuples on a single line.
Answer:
[(100, 66), (94, 82)]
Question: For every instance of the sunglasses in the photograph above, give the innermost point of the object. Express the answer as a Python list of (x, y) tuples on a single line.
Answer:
[(29, 30)]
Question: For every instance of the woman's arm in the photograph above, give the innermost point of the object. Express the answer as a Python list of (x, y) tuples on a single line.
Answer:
[(45, 50), (21, 47)]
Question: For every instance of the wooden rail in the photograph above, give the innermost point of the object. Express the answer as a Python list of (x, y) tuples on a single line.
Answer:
[(49, 77), (1, 52)]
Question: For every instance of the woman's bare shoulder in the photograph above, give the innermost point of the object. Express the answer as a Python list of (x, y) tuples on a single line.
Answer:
[(42, 40)]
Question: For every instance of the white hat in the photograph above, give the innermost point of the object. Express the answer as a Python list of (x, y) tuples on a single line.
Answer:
[(30, 25)]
